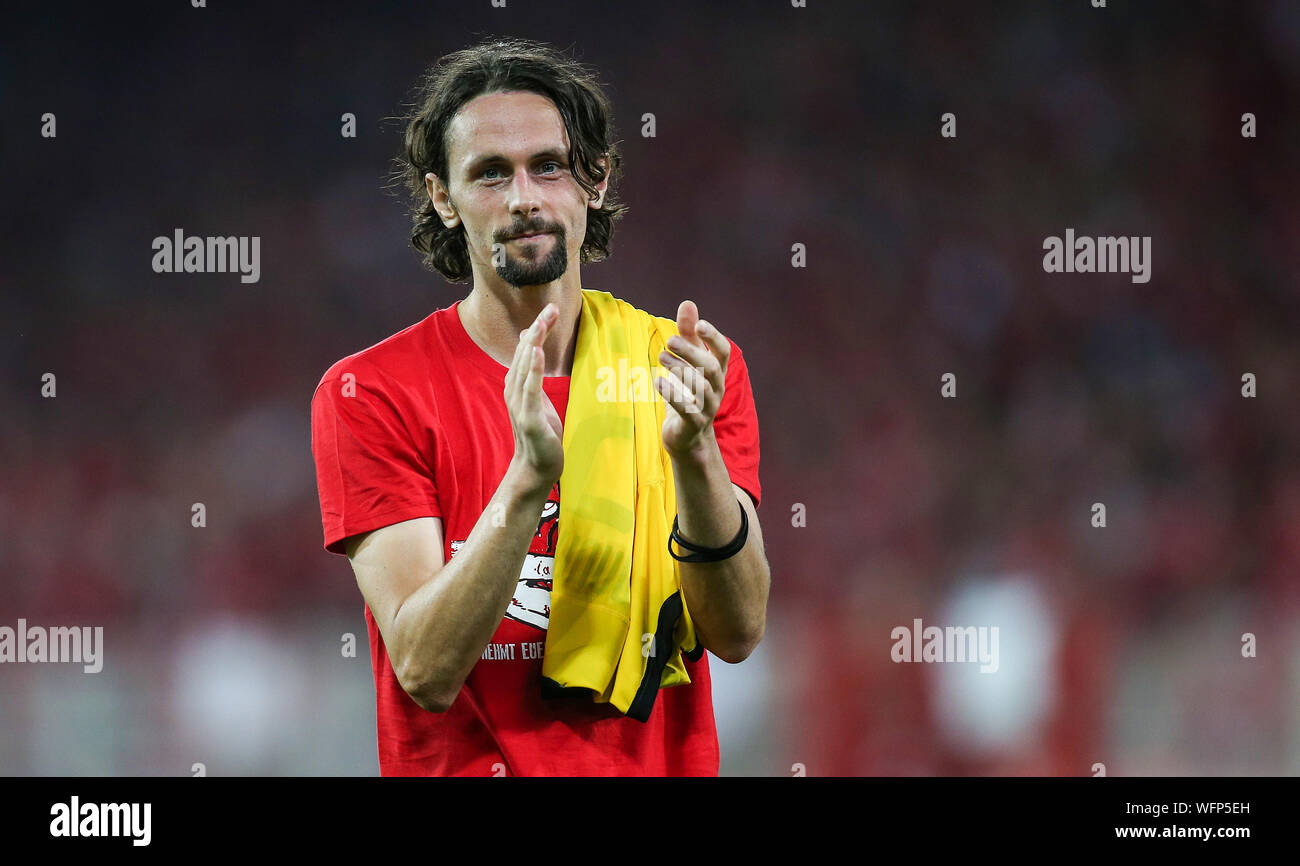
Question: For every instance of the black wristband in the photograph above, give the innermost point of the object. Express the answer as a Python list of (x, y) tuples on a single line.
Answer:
[(700, 553)]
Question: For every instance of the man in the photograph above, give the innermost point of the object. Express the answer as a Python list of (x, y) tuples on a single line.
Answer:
[(440, 450)]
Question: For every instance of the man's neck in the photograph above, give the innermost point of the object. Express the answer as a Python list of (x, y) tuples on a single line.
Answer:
[(493, 319)]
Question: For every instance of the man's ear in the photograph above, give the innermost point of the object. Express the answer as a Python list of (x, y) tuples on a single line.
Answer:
[(599, 200), (441, 199)]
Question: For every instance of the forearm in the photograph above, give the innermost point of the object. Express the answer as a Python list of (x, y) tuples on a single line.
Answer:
[(727, 600), (446, 624)]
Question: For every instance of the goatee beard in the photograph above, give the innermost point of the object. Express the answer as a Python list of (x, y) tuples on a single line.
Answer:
[(518, 271)]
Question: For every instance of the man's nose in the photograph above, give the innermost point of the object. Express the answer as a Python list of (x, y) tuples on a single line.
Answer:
[(523, 194)]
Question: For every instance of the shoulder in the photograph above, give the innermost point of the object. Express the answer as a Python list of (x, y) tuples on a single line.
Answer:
[(665, 325), (387, 363)]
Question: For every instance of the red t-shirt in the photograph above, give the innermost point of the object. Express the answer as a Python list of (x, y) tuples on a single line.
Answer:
[(426, 433)]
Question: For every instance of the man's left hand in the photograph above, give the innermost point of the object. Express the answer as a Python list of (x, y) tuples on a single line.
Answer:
[(697, 367)]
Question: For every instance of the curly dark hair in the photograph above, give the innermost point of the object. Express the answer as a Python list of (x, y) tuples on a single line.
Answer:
[(500, 65)]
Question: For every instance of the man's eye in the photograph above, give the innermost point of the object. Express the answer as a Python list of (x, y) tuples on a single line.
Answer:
[(552, 162)]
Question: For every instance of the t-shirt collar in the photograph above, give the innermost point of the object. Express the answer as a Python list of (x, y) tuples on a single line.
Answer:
[(466, 349)]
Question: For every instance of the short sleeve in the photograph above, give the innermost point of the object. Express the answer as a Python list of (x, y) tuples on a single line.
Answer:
[(736, 426), (369, 473)]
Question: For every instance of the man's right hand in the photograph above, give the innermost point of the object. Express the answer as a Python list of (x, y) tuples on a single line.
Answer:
[(539, 434)]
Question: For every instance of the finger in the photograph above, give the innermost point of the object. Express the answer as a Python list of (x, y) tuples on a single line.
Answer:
[(513, 375), (678, 399), (688, 373), (533, 383), (548, 314), (687, 315), (679, 394), (529, 337), (700, 358), (697, 388), (717, 342), (541, 325), (663, 390), (536, 333)]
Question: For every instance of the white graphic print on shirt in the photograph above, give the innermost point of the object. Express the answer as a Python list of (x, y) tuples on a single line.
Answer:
[(532, 600)]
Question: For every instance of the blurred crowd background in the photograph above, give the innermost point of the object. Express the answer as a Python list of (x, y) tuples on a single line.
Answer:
[(1119, 646)]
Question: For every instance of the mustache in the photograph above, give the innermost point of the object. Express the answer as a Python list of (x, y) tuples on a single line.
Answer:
[(534, 228)]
